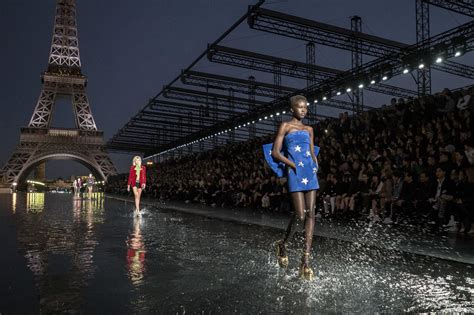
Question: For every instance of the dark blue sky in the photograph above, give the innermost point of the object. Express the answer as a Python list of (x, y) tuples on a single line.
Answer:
[(130, 49)]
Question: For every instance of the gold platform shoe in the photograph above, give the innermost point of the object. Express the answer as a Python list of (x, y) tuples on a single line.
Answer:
[(282, 257), (305, 271)]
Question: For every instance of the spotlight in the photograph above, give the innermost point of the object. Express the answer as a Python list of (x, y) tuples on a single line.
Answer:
[(338, 93), (361, 85), (406, 70), (324, 98), (260, 119), (439, 59), (278, 114), (459, 44), (315, 101), (266, 117), (348, 90), (325, 130), (386, 71), (271, 116), (372, 81), (307, 103), (284, 112), (253, 121), (421, 65)]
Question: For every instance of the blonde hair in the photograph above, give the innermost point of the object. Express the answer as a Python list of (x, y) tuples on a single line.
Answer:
[(135, 158)]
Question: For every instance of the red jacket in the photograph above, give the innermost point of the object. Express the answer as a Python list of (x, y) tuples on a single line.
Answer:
[(132, 177)]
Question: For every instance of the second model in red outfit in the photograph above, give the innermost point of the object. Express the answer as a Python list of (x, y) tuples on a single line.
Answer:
[(137, 179)]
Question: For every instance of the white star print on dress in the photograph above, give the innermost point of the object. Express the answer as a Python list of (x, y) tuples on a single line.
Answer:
[(270, 152), (297, 148), (315, 169), (301, 164), (304, 181), (308, 153)]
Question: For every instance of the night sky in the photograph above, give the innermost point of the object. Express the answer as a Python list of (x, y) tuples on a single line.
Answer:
[(130, 49)]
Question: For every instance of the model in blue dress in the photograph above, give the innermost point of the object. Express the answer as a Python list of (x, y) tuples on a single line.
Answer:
[(293, 155)]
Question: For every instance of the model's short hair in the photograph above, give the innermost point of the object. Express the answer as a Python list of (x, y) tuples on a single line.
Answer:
[(297, 98)]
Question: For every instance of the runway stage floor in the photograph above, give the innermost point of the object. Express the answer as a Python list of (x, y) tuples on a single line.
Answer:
[(66, 254)]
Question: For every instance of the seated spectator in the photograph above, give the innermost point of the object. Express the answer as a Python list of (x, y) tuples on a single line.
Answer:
[(441, 198), (404, 207), (464, 102), (329, 194)]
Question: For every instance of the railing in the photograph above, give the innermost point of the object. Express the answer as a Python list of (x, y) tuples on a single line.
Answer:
[(63, 133), (55, 132)]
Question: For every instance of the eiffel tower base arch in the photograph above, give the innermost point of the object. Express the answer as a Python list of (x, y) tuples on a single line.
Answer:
[(40, 145)]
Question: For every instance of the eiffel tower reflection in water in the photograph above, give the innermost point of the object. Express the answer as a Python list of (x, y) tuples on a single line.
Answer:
[(58, 237)]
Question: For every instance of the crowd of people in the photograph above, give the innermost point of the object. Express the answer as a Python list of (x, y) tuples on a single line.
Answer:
[(410, 161)]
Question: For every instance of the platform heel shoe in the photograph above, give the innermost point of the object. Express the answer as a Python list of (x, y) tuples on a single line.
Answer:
[(282, 257), (305, 271)]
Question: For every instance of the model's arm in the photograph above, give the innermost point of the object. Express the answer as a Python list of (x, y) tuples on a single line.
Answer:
[(143, 179), (130, 179), (277, 146), (311, 146)]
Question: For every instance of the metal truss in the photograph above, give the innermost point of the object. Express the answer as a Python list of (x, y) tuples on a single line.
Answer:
[(242, 86), (347, 106), (251, 95), (422, 33), (238, 103), (162, 121), (333, 36), (326, 81), (265, 63), (310, 78), (465, 7), (224, 83), (356, 59), (53, 85), (391, 63), (64, 53), (255, 61)]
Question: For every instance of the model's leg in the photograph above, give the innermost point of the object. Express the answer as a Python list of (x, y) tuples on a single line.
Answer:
[(137, 201), (305, 266), (296, 223), (310, 201)]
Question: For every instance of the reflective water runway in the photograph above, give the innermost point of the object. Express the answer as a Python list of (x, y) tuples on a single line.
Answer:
[(92, 256)]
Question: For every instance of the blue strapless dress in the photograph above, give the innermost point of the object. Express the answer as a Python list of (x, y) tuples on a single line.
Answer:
[(296, 147)]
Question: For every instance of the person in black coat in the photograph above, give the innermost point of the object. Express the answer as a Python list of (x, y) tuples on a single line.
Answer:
[(443, 195), (463, 201)]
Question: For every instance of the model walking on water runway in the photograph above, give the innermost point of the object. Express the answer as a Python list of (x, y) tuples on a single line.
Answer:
[(293, 153), (137, 179)]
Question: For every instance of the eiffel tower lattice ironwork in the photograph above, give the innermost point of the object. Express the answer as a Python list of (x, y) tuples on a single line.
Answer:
[(39, 141)]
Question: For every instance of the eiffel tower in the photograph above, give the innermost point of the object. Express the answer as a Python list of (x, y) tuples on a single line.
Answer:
[(39, 142)]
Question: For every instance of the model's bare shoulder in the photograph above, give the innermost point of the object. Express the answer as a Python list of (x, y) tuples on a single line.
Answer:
[(284, 125)]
